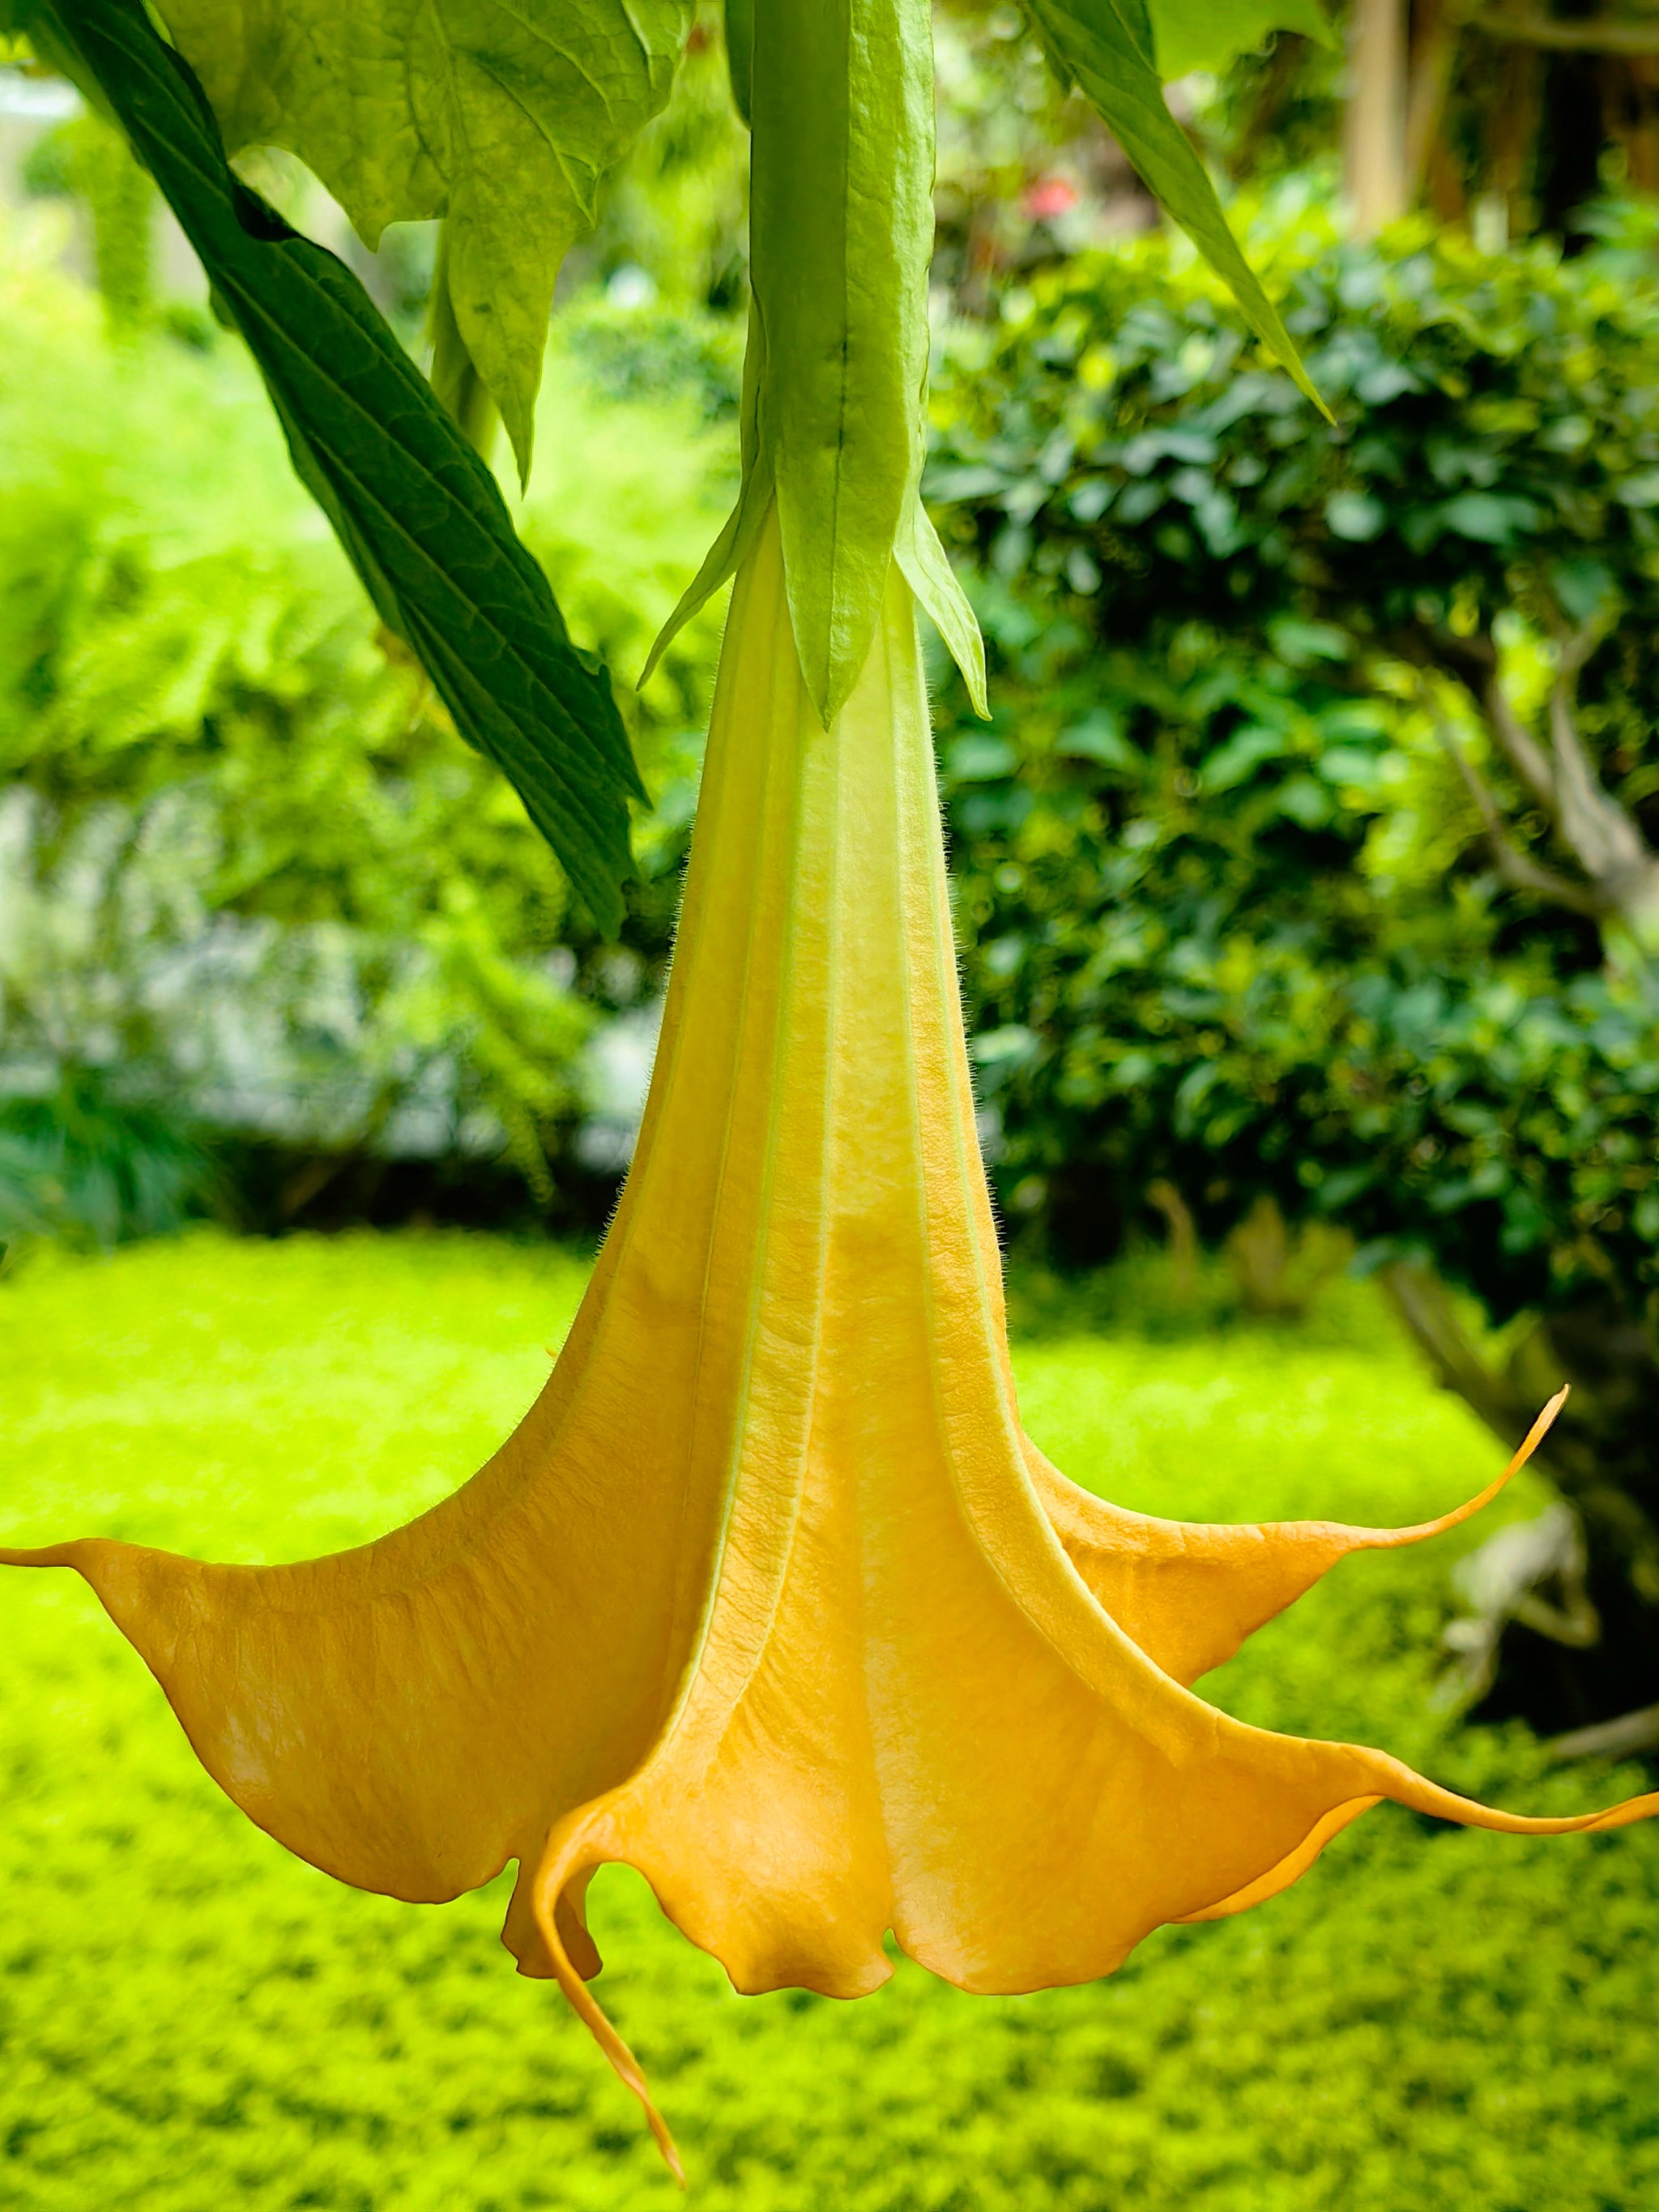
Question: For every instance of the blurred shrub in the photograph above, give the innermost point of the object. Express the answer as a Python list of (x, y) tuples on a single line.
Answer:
[(1183, 970), (88, 159), (673, 224), (250, 875), (1496, 443), (84, 1165), (625, 353), (1235, 917)]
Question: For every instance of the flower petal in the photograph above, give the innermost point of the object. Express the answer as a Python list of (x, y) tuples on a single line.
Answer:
[(1190, 1592)]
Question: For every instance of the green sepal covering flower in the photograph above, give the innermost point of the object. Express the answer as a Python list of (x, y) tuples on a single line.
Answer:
[(839, 100)]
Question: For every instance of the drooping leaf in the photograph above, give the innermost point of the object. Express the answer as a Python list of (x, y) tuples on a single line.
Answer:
[(1208, 34), (421, 517), (1107, 48), (502, 116)]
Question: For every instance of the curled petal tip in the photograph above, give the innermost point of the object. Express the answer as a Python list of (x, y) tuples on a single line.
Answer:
[(558, 1869), (1382, 1539), (1541, 1426), (1529, 1445), (671, 2156)]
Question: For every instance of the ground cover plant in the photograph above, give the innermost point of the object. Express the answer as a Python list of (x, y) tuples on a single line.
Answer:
[(188, 2017)]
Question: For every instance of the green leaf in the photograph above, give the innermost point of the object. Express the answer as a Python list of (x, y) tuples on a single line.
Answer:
[(1355, 516), (1209, 35), (1105, 47), (502, 116), (419, 513)]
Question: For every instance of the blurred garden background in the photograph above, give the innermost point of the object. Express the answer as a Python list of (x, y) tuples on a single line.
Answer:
[(1307, 889)]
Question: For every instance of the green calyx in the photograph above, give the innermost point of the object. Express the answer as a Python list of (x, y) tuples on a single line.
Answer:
[(841, 106)]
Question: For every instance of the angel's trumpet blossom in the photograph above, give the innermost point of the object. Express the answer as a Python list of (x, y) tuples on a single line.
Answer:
[(769, 1596)]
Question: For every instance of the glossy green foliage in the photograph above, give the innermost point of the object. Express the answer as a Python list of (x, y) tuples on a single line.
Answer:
[(1234, 919), (1497, 445), (248, 871), (503, 119), (1205, 997), (190, 2019), (419, 517)]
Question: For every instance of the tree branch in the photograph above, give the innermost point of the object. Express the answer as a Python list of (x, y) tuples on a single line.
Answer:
[(1604, 836), (1525, 755), (1433, 46), (1420, 1299), (1627, 1737), (1573, 648), (1472, 662), (1517, 868), (1594, 34), (1605, 841)]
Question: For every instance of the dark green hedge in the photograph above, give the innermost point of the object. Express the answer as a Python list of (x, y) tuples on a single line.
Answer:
[(1231, 918)]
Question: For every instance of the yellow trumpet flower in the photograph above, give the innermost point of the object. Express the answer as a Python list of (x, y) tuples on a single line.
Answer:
[(769, 1595)]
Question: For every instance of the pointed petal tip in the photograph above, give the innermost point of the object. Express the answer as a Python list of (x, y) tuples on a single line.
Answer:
[(1389, 1779), (562, 1863), (1379, 1540), (1406, 1787)]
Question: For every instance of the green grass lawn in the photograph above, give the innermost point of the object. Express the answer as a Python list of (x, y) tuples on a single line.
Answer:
[(190, 2021)]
